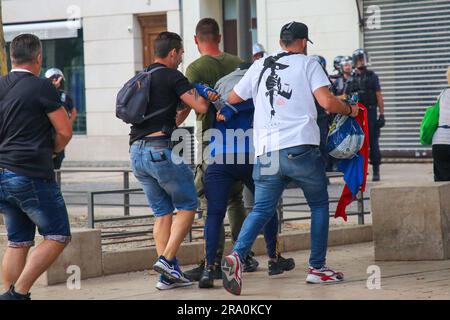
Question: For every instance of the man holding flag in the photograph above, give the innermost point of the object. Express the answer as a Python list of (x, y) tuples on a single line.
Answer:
[(286, 137)]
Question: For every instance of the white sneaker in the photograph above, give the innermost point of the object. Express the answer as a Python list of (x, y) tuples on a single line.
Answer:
[(165, 284), (323, 275)]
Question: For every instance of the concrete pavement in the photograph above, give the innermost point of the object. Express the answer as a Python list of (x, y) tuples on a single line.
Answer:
[(399, 280)]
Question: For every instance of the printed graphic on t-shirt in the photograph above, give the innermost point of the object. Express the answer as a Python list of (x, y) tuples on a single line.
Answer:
[(285, 112), (275, 88)]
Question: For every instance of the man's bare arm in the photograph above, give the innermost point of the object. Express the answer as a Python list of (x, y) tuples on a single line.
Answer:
[(332, 104), (233, 98), (182, 114), (63, 128), (195, 101)]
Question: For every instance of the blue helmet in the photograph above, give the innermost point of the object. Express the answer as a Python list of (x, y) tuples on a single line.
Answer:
[(360, 54), (346, 59), (321, 60), (337, 63)]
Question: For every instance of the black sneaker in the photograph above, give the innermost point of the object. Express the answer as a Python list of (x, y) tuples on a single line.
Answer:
[(250, 264), (281, 265), (196, 273), (217, 272), (376, 173), (207, 279), (11, 294)]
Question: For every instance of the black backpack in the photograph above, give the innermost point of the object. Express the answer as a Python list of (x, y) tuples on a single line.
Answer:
[(133, 99)]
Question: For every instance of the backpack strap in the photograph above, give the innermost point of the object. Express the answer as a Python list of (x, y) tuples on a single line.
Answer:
[(270, 61), (150, 71), (159, 111)]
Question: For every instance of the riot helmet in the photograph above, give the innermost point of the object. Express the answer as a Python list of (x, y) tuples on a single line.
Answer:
[(360, 54)]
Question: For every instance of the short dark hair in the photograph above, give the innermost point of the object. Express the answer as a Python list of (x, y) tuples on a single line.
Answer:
[(166, 42), (207, 28), (287, 42), (24, 49)]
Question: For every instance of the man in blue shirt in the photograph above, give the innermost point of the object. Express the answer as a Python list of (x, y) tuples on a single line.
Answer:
[(231, 160)]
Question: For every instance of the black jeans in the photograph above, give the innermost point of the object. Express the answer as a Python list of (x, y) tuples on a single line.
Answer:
[(324, 125), (374, 136), (441, 162)]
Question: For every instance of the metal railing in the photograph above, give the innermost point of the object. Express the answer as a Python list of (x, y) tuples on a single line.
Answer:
[(125, 183), (116, 232)]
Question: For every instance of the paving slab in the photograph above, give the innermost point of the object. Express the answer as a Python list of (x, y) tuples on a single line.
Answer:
[(399, 280)]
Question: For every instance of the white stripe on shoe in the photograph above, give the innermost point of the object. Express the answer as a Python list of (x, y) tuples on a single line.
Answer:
[(169, 271), (165, 285)]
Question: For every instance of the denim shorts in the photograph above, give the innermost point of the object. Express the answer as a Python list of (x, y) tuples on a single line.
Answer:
[(28, 203), (168, 184)]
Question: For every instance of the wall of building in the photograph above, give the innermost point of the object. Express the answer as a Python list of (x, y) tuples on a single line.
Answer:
[(333, 25), (193, 11), (113, 53)]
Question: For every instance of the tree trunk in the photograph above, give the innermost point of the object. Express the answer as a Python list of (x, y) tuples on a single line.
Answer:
[(3, 63)]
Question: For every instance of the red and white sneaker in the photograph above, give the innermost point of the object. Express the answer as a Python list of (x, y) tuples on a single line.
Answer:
[(324, 275), (232, 273)]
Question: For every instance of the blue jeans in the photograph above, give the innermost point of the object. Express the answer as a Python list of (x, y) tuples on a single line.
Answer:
[(168, 184), (30, 202), (219, 180), (304, 166)]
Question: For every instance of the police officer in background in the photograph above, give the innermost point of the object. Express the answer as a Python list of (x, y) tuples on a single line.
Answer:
[(258, 51), (341, 81), (337, 69), (366, 84), (56, 76)]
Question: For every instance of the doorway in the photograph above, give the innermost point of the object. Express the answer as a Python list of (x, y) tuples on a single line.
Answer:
[(151, 26)]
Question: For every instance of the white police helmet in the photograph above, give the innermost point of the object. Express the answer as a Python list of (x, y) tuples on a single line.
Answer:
[(52, 72), (258, 48)]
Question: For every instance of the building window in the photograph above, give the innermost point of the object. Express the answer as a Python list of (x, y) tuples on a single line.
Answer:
[(64, 52)]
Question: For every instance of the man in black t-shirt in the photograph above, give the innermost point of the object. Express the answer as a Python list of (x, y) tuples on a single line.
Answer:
[(57, 77), (167, 86), (167, 181), (33, 126)]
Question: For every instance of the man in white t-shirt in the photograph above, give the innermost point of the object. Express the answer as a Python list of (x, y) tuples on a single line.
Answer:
[(286, 139)]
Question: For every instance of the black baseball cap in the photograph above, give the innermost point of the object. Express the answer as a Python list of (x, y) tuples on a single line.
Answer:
[(294, 30)]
